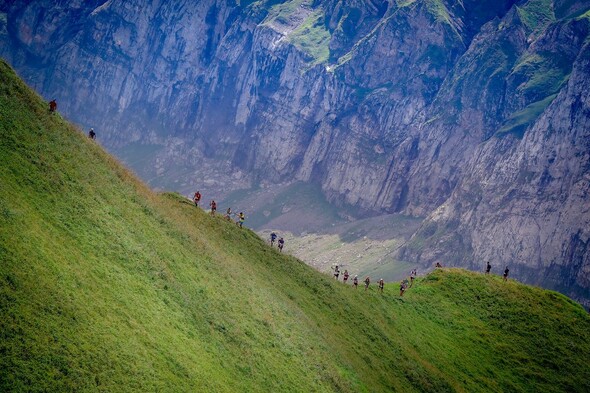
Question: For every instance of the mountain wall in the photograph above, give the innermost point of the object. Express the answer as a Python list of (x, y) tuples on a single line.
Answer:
[(391, 106)]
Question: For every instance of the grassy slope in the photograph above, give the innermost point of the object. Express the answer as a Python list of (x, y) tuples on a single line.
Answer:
[(105, 286)]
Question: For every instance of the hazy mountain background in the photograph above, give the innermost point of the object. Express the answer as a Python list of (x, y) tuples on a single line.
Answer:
[(398, 132)]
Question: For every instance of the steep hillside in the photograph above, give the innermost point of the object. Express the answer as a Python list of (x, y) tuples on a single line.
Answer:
[(390, 107), (106, 286)]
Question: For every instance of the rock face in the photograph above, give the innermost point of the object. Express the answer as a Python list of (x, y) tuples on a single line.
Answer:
[(470, 113), (525, 201)]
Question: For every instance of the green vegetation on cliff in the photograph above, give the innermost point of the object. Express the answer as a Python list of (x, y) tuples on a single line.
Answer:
[(536, 14), (303, 26), (313, 38), (106, 286)]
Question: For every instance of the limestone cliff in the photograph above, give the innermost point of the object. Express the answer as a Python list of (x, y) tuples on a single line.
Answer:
[(524, 200), (425, 107)]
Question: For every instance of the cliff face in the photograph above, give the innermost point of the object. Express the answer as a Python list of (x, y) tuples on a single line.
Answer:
[(428, 107), (524, 201)]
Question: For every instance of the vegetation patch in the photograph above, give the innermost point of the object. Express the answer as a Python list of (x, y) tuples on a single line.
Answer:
[(283, 12), (313, 38), (438, 9), (545, 73), (518, 122), (536, 14)]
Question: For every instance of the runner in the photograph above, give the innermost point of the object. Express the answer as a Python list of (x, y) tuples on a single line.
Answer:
[(488, 268), (273, 237), (213, 205), (412, 277), (367, 282), (336, 271), (197, 198), (402, 288), (355, 282), (381, 285), (505, 276), (241, 218), (281, 244), (346, 275)]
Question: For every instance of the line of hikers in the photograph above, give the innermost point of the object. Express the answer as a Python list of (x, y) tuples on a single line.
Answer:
[(504, 276), (280, 242), (241, 217), (404, 284), (53, 109)]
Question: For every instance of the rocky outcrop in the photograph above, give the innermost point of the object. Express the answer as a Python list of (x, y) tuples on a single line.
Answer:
[(525, 201), (405, 106)]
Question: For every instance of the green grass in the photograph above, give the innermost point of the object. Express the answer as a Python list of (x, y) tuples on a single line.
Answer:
[(536, 14), (311, 35), (313, 38), (283, 11), (545, 73), (519, 121), (107, 286), (439, 10), (585, 15)]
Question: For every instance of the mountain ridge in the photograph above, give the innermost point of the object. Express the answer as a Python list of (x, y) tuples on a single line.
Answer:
[(105, 285)]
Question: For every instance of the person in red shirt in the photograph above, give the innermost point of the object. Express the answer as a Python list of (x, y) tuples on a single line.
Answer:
[(197, 198)]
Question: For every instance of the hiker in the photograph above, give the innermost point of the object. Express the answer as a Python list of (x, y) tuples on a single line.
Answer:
[(367, 282), (213, 205), (381, 285), (412, 277), (345, 276), (281, 244), (241, 218), (228, 214), (402, 288), (505, 276), (92, 134), (52, 105), (197, 198), (273, 237), (438, 264), (488, 268), (355, 282), (336, 271)]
